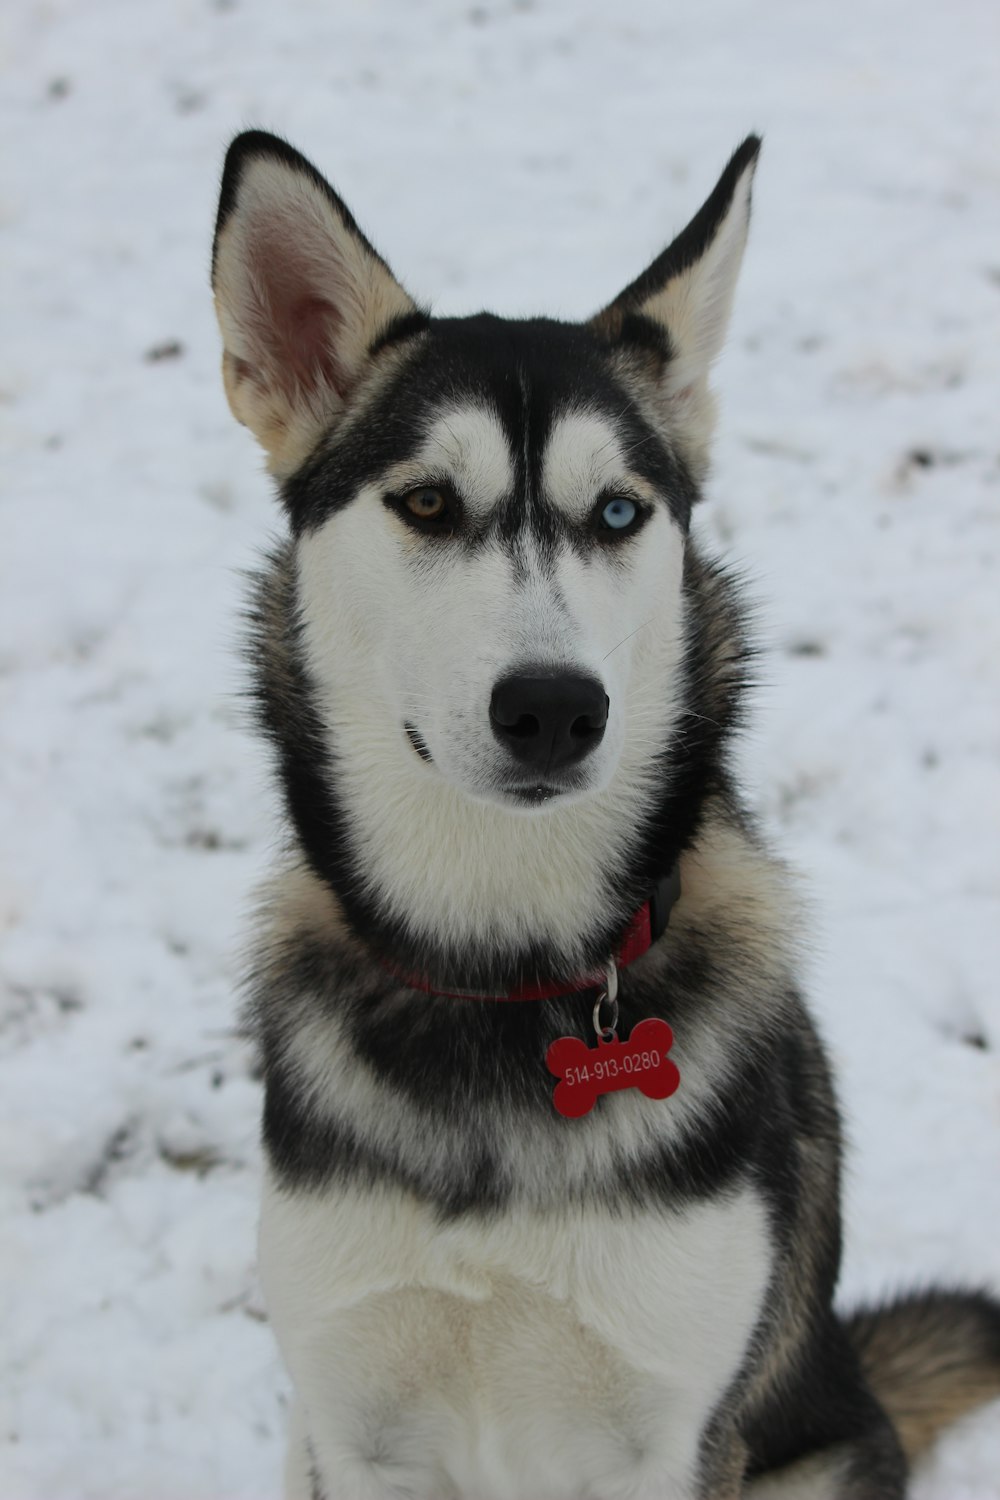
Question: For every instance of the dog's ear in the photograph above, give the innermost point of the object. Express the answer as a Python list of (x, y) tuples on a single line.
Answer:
[(301, 297), (674, 316)]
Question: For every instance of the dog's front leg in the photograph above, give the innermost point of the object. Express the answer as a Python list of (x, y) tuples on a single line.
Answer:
[(309, 1475), (301, 1479)]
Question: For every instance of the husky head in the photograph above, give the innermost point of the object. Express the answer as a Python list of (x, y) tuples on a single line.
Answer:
[(484, 658)]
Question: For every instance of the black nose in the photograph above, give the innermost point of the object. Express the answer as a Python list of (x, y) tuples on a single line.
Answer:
[(548, 722)]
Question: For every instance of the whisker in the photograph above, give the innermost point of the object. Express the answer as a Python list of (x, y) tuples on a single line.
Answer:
[(628, 637), (639, 443), (614, 436)]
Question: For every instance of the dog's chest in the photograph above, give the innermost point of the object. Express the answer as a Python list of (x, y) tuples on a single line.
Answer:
[(557, 1355)]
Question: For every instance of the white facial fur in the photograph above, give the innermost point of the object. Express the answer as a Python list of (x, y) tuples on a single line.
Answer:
[(406, 628)]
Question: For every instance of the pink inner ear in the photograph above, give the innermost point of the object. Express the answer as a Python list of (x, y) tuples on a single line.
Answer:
[(312, 324), (298, 327)]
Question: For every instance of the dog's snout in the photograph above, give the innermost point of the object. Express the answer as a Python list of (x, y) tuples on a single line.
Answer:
[(549, 720)]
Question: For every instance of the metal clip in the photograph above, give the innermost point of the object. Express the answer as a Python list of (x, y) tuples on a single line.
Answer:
[(608, 995)]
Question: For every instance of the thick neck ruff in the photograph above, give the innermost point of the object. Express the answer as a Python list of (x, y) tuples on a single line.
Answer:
[(646, 927)]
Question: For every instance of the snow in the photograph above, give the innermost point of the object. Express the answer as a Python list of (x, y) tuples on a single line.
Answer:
[(529, 155)]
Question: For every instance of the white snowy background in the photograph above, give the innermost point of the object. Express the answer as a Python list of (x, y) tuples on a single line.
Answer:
[(531, 156)]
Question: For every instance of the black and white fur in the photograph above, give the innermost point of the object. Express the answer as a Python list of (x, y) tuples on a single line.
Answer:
[(477, 1299)]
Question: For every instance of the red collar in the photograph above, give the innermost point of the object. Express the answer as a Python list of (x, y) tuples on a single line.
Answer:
[(648, 924)]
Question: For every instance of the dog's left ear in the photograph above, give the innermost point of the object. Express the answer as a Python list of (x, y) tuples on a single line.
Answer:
[(300, 294), (675, 315)]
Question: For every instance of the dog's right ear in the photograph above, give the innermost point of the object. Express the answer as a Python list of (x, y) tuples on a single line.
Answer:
[(677, 311), (300, 294)]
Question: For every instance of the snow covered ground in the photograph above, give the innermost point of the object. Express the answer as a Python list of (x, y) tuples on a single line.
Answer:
[(530, 155)]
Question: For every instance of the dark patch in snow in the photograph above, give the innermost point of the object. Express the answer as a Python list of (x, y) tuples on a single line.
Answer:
[(774, 447), (188, 101), (931, 458), (977, 1040), (118, 1147), (29, 1009), (212, 839), (199, 1159), (169, 349)]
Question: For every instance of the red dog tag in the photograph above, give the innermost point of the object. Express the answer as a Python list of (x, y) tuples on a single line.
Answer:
[(585, 1072)]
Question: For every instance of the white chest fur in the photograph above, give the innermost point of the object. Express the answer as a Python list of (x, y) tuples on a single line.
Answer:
[(555, 1356)]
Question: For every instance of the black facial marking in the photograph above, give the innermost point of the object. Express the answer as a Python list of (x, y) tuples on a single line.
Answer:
[(406, 326), (528, 373), (643, 334), (417, 741)]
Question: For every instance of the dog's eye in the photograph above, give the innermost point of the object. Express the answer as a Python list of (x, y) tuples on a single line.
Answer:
[(618, 516), (426, 504), (430, 508)]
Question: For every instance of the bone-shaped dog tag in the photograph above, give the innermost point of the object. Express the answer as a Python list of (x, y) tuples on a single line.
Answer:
[(586, 1072)]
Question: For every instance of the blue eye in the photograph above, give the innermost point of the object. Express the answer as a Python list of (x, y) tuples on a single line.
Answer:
[(618, 514)]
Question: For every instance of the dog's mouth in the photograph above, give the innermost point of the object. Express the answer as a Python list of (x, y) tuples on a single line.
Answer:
[(530, 794), (534, 796)]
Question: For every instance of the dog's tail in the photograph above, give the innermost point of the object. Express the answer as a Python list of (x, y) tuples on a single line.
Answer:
[(929, 1358)]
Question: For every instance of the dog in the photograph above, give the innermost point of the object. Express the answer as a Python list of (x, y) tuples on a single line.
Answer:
[(551, 1202)]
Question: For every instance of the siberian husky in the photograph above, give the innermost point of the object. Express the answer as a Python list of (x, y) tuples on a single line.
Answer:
[(551, 1206)]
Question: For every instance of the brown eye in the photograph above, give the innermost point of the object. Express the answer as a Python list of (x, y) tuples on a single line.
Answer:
[(434, 509), (426, 504)]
